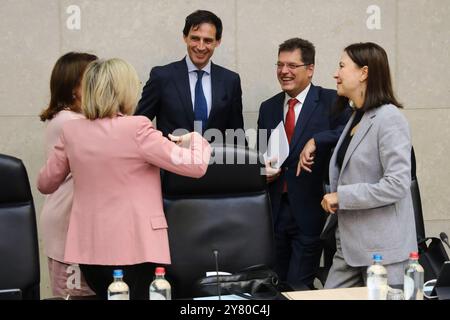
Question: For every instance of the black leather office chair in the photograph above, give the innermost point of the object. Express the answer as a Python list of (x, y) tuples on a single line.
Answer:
[(431, 250), (227, 210), (19, 253)]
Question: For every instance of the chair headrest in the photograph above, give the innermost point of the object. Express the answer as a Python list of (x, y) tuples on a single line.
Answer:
[(232, 170), (14, 184)]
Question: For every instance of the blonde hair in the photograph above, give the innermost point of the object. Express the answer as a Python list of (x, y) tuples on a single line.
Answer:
[(109, 87)]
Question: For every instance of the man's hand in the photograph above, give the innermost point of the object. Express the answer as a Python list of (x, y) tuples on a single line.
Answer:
[(330, 202), (271, 173), (306, 159)]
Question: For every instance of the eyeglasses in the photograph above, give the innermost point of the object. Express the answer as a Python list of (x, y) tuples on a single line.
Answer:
[(290, 66)]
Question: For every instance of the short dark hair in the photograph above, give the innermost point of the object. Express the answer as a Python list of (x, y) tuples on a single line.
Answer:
[(198, 17), (66, 77), (307, 50), (379, 84)]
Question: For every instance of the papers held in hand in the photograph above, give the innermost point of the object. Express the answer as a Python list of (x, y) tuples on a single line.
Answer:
[(277, 147)]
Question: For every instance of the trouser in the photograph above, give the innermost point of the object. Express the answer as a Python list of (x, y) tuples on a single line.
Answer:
[(67, 279), (138, 278), (297, 253)]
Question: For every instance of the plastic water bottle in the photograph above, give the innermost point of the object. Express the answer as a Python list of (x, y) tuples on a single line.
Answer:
[(118, 289), (160, 288), (377, 279), (413, 279)]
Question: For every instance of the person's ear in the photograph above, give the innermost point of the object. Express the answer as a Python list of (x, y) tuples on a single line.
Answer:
[(364, 73)]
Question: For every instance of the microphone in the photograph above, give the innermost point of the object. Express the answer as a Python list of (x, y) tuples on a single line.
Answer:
[(444, 238), (216, 259)]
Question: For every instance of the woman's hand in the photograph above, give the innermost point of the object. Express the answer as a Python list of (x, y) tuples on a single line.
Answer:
[(330, 202), (306, 159), (183, 141)]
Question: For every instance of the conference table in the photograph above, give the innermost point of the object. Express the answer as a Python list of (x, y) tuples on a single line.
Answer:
[(357, 293)]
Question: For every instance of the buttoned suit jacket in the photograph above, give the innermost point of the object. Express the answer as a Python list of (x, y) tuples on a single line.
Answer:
[(167, 96)]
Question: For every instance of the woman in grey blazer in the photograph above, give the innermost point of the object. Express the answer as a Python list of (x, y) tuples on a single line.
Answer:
[(370, 172)]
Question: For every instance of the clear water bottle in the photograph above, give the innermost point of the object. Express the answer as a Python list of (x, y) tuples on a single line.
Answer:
[(160, 288), (118, 289), (413, 279), (377, 279)]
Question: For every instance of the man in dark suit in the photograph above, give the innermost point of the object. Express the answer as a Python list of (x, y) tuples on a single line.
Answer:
[(194, 93), (306, 112)]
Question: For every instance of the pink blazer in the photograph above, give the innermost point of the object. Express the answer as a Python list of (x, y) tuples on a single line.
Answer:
[(117, 215)]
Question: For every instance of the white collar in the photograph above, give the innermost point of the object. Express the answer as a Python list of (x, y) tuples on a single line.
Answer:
[(191, 66), (301, 96)]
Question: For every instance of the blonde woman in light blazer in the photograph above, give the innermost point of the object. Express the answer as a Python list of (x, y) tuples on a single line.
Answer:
[(370, 173), (117, 219)]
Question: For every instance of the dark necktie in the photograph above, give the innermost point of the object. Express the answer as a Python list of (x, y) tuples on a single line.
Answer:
[(289, 127), (200, 106)]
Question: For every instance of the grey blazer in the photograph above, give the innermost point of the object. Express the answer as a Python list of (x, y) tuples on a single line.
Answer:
[(375, 212)]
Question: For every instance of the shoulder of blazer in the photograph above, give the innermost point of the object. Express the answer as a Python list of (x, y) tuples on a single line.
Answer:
[(169, 69), (385, 111), (273, 102), (222, 72), (75, 123), (324, 94)]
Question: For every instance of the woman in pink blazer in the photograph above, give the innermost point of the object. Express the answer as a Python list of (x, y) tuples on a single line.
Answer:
[(65, 105), (117, 219)]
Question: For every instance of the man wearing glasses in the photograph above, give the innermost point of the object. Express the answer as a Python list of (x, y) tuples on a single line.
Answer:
[(305, 110)]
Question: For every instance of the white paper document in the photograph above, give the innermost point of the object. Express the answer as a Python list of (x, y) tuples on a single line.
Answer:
[(277, 147)]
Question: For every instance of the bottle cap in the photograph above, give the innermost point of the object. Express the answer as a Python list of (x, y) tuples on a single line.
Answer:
[(414, 255), (377, 257), (160, 271), (117, 273)]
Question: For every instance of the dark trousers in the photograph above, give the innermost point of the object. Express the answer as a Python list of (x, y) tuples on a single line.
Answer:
[(138, 278), (297, 253)]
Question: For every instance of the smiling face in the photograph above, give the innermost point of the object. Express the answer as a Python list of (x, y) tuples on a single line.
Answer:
[(293, 80), (350, 78), (201, 42)]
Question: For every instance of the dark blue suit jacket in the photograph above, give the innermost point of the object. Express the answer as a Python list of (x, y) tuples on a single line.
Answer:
[(167, 96), (316, 120)]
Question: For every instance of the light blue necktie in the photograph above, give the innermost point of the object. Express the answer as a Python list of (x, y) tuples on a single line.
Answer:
[(200, 106)]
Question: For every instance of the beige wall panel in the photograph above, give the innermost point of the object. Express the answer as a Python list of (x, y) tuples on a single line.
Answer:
[(29, 46), (145, 33), (331, 25), (423, 50), (430, 132)]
